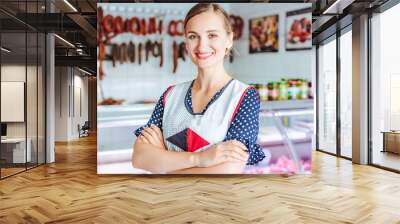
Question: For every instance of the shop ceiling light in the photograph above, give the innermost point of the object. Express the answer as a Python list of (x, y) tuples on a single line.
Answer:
[(65, 41), (70, 5), (5, 49)]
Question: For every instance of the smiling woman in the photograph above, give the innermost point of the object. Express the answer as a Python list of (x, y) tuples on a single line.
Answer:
[(209, 124), (209, 35)]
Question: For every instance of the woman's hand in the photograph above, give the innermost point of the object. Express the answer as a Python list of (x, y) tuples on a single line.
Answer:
[(229, 151), (152, 135)]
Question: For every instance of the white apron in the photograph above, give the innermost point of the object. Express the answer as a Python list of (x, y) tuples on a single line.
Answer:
[(184, 131)]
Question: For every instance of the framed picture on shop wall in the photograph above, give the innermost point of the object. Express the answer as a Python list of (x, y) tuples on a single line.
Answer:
[(298, 29), (264, 34)]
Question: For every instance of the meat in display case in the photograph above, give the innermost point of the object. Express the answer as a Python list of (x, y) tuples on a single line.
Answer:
[(285, 135)]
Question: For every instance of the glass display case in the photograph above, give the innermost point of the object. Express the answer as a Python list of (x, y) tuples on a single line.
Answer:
[(285, 135)]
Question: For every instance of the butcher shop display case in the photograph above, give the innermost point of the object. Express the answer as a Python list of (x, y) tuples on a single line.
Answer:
[(285, 135), (116, 126)]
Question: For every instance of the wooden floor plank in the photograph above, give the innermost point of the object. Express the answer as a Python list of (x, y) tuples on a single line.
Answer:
[(70, 191)]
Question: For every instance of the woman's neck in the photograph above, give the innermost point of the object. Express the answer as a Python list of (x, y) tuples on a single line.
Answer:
[(212, 78)]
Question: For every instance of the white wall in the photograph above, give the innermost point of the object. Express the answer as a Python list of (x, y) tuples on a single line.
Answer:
[(61, 103), (69, 81), (33, 126), (80, 110), (271, 66), (12, 73), (147, 81)]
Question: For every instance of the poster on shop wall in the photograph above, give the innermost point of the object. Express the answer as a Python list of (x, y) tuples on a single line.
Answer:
[(264, 34), (180, 93), (298, 29)]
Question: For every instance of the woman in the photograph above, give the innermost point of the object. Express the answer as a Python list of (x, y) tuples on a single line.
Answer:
[(207, 125)]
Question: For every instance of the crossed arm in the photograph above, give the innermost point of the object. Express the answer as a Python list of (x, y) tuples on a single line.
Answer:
[(151, 154)]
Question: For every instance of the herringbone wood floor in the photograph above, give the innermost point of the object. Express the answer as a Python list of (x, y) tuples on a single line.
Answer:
[(70, 191)]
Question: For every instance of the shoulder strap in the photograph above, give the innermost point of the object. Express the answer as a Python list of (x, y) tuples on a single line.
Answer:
[(166, 94)]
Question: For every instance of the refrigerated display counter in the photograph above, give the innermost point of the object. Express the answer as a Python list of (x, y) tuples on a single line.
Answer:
[(285, 134)]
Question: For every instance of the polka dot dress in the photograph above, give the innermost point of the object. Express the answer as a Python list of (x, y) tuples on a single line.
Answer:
[(244, 126)]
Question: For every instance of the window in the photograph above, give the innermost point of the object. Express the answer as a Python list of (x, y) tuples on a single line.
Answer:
[(346, 93), (22, 68), (385, 89), (327, 97)]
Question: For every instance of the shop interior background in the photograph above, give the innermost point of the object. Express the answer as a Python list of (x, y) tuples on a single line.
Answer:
[(127, 91)]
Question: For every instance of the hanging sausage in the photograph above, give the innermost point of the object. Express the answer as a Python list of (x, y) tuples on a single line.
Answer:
[(131, 52), (148, 48), (171, 28), (160, 48), (160, 26), (133, 26), (114, 53), (237, 25), (143, 30), (158, 52), (101, 58), (179, 28), (101, 71), (140, 53), (175, 49), (111, 26), (102, 52), (124, 53), (182, 51), (118, 25), (175, 28), (179, 51), (152, 28), (108, 25)]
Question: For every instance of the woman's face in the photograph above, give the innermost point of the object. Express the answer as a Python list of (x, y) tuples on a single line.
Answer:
[(207, 39)]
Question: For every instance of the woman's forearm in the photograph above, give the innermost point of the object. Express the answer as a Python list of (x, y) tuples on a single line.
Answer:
[(223, 168), (157, 160)]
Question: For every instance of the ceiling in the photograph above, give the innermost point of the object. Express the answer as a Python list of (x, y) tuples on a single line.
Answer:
[(76, 23), (330, 15), (72, 20)]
